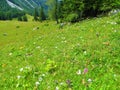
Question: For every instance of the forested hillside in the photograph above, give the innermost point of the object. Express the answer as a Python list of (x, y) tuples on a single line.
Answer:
[(59, 10), (16, 8), (7, 13), (75, 10)]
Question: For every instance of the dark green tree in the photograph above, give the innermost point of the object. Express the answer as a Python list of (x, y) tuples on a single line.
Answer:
[(25, 18), (72, 10), (42, 15), (36, 14), (19, 18)]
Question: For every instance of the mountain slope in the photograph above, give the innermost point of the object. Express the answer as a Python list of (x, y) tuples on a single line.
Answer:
[(26, 5)]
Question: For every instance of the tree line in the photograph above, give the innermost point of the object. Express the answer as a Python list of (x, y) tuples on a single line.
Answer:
[(63, 10), (76, 10), (8, 13)]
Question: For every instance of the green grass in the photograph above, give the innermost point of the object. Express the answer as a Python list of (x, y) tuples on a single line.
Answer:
[(81, 56)]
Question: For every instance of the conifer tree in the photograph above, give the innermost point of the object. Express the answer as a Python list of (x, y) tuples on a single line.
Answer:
[(36, 14), (42, 15)]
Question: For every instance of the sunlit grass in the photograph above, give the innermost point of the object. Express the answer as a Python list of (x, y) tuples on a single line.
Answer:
[(41, 56)]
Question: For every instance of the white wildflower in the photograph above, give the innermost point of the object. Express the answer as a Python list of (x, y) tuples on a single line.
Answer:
[(85, 52), (37, 83), (89, 80), (57, 88), (43, 75), (79, 72), (21, 69), (18, 77), (61, 83)]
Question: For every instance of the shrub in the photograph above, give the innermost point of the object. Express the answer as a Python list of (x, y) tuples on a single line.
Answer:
[(72, 17), (25, 18)]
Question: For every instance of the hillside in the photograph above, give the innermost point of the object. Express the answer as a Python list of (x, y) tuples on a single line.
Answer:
[(4, 6), (41, 56), (22, 5)]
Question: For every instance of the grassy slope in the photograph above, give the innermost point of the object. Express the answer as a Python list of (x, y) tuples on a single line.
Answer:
[(59, 53)]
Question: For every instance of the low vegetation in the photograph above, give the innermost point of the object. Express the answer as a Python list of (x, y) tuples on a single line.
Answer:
[(42, 56)]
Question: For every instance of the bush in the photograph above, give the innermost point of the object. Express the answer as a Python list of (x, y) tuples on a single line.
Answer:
[(72, 17), (25, 18), (19, 18)]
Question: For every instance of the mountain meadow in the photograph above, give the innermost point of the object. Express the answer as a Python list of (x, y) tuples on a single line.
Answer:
[(60, 45)]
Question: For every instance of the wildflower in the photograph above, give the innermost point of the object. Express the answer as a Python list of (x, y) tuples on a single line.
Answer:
[(37, 83), (61, 83), (89, 80), (85, 52), (85, 71), (69, 83), (10, 54), (40, 79), (78, 72), (21, 69), (18, 77), (57, 88), (43, 75)]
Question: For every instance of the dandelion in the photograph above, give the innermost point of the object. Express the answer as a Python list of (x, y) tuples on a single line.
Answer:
[(37, 83), (21, 69), (78, 72), (85, 71), (57, 88)]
